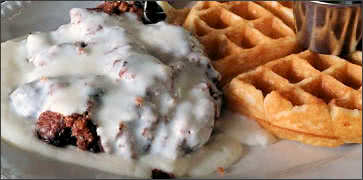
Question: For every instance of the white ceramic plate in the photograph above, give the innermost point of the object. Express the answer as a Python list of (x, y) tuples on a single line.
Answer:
[(285, 159)]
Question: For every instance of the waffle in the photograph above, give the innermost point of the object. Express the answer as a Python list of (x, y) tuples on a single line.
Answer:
[(312, 98), (239, 36)]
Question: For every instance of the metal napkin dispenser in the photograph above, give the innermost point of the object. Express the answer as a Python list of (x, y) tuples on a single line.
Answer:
[(328, 28)]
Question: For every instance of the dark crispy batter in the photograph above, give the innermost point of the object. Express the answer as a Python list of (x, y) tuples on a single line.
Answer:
[(119, 7), (159, 174), (76, 129), (51, 128), (50, 124), (80, 130)]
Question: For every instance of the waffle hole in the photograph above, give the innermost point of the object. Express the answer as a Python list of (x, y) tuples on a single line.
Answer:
[(216, 19), (349, 75), (350, 82), (262, 85), (269, 27), (247, 10), (241, 40), (318, 62), (294, 98), (288, 72), (315, 88), (346, 104)]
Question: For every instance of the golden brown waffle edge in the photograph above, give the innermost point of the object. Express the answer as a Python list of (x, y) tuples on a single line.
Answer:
[(306, 97), (240, 35)]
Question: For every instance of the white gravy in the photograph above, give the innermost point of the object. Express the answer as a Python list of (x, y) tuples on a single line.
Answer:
[(162, 65)]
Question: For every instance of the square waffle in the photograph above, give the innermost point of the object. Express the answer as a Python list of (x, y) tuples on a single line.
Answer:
[(239, 36), (312, 98)]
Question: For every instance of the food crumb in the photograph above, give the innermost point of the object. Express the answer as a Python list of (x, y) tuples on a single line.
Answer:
[(81, 50), (139, 101), (76, 129), (43, 79), (220, 171)]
